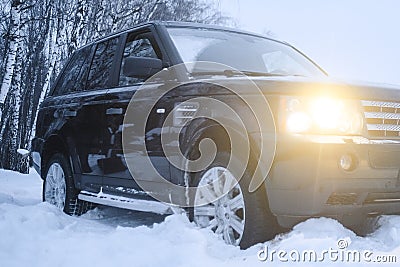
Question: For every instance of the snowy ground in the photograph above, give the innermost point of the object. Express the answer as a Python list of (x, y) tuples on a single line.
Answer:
[(33, 233)]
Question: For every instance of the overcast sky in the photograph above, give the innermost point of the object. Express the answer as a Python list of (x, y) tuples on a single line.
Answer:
[(351, 39)]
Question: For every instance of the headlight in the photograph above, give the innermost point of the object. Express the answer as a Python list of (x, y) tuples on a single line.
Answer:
[(321, 115)]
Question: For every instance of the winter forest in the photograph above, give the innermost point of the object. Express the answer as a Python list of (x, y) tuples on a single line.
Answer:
[(37, 36)]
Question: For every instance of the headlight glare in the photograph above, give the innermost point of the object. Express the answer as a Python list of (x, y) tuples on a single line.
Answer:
[(298, 122), (321, 115)]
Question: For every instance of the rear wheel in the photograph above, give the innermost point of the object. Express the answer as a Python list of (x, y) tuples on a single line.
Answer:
[(239, 217), (59, 189)]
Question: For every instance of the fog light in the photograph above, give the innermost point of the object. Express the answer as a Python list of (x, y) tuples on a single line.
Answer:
[(347, 162)]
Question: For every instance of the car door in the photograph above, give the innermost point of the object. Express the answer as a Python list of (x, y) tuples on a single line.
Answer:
[(67, 115), (91, 126), (117, 178)]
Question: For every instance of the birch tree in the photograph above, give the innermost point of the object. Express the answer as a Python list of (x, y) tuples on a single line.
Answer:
[(38, 36), (13, 39), (11, 89)]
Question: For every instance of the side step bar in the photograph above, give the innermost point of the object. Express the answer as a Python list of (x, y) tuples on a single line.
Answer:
[(128, 203)]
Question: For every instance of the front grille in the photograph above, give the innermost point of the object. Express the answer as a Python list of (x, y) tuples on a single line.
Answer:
[(382, 118)]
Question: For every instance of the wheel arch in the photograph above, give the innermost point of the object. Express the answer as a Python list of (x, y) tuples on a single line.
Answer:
[(58, 143), (208, 128)]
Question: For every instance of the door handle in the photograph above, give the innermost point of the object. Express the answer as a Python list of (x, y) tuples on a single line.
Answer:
[(114, 111), (69, 113)]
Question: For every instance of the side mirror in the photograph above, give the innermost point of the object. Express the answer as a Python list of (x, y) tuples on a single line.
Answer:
[(141, 67)]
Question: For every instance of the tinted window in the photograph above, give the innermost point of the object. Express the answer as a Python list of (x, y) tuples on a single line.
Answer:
[(136, 46), (241, 51), (100, 70), (81, 79), (70, 79)]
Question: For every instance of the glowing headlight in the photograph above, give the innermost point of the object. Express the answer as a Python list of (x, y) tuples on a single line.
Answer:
[(298, 122), (321, 115)]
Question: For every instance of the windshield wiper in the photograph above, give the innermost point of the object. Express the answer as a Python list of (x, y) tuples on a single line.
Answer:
[(232, 73)]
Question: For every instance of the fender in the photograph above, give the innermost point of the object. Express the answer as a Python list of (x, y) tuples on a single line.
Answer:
[(199, 128), (60, 143)]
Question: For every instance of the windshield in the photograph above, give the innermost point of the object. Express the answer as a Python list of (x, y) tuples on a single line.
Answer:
[(244, 52)]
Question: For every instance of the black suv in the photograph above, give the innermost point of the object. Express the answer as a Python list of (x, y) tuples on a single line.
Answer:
[(164, 90)]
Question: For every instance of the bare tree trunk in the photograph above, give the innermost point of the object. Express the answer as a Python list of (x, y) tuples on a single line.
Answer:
[(10, 131), (14, 41), (51, 54)]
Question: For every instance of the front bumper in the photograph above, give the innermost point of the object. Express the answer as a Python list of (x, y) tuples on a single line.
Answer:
[(306, 179)]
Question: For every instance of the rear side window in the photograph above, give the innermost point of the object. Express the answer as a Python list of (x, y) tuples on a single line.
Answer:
[(101, 68), (71, 79)]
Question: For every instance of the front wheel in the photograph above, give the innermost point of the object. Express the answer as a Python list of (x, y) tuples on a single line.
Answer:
[(59, 189), (239, 217)]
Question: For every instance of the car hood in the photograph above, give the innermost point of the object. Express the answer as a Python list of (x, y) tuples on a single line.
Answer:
[(286, 85)]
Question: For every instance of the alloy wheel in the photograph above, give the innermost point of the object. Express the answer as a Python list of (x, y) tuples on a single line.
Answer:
[(55, 187), (224, 212)]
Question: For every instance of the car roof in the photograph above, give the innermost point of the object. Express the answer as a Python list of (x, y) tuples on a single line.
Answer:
[(181, 24)]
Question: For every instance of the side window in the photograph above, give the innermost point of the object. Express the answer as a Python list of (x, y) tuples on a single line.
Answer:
[(137, 46), (69, 79), (101, 68), (81, 79)]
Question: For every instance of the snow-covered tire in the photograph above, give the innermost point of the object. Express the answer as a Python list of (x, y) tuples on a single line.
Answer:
[(59, 189), (259, 224)]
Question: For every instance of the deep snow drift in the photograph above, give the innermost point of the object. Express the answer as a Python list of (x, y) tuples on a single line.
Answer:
[(33, 233)]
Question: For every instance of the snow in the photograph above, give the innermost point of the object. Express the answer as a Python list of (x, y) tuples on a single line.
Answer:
[(22, 152), (34, 233)]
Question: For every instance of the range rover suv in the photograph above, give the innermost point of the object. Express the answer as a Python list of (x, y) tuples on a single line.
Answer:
[(321, 147)]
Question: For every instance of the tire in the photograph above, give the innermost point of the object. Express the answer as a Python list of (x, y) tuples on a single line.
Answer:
[(59, 189), (259, 224)]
